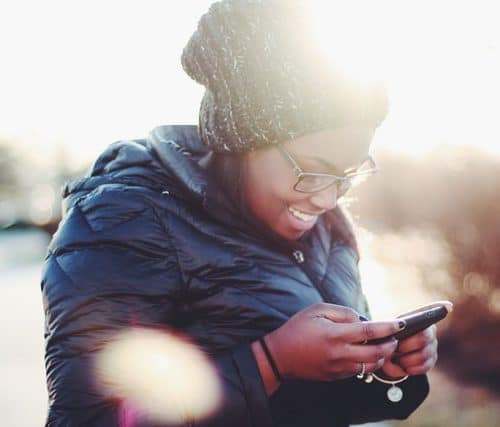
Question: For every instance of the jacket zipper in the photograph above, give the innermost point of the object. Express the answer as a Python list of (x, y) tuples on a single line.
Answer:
[(301, 259)]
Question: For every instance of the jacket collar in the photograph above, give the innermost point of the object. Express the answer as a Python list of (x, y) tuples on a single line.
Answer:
[(179, 150)]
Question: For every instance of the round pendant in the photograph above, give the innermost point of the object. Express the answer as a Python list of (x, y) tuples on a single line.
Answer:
[(394, 394)]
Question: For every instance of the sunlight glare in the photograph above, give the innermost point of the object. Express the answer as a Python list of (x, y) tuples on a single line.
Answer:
[(442, 80), (441, 60), (360, 50)]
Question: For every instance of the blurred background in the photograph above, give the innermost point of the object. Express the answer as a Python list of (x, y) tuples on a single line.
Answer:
[(76, 76)]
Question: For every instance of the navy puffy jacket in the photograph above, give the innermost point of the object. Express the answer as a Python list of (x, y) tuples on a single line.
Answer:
[(143, 243)]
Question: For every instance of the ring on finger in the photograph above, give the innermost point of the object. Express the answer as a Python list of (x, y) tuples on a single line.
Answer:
[(362, 372)]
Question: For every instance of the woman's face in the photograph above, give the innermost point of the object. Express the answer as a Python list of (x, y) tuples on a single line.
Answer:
[(270, 177)]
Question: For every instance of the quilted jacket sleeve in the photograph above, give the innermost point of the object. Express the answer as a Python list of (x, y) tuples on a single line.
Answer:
[(109, 267)]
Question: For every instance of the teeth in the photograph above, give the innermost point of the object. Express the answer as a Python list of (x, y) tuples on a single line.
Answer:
[(301, 215)]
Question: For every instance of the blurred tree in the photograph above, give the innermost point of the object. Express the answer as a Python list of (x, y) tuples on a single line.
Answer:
[(8, 177), (30, 186)]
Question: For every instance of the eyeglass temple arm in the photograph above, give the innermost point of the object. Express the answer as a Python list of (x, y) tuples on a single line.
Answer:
[(373, 169), (296, 168), (298, 171)]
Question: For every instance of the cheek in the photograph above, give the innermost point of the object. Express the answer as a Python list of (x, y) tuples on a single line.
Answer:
[(274, 188), (281, 194), (270, 200), (270, 192)]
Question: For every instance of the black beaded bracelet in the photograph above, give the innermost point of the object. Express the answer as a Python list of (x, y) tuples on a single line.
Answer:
[(270, 359)]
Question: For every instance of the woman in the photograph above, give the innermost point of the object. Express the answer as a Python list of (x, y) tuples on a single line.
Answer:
[(230, 233)]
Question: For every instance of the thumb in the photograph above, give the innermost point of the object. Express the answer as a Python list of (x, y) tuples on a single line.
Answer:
[(335, 313)]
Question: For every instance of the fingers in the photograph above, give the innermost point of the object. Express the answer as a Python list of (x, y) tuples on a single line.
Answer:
[(363, 331), (425, 365), (423, 368), (355, 368), (417, 357), (392, 370), (335, 313), (418, 341), (374, 356), (419, 362), (370, 353), (418, 354)]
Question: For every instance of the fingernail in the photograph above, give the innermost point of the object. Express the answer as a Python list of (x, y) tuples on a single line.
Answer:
[(391, 343), (402, 324)]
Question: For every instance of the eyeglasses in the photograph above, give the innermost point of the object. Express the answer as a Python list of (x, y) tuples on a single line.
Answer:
[(308, 182)]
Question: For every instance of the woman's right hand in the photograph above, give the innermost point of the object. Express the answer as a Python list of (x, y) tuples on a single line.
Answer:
[(324, 342)]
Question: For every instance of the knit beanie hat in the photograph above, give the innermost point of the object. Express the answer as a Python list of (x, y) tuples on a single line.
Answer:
[(266, 79)]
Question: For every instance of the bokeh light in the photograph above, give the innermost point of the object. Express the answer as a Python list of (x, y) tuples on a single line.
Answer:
[(43, 198), (159, 375), (476, 284), (494, 303)]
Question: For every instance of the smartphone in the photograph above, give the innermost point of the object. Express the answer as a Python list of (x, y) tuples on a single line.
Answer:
[(418, 320)]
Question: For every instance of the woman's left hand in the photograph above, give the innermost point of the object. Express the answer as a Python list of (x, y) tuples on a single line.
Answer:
[(414, 355)]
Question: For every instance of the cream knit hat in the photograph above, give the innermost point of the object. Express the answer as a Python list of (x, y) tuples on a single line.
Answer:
[(266, 80)]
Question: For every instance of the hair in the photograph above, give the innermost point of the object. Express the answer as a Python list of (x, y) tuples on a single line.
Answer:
[(229, 172)]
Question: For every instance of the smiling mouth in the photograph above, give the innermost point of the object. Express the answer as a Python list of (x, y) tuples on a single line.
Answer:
[(301, 215)]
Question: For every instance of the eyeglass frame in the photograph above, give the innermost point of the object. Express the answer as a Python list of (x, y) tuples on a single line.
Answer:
[(336, 180)]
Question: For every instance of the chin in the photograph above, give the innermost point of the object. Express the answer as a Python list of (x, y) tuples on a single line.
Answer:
[(291, 234)]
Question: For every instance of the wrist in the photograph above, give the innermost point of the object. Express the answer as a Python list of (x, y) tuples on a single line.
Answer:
[(271, 384), (272, 342), (270, 359)]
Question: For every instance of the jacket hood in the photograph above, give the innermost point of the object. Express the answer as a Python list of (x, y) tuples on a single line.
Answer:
[(173, 161), (167, 161)]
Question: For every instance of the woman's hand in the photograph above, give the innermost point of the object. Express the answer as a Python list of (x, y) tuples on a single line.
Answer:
[(325, 342), (415, 355)]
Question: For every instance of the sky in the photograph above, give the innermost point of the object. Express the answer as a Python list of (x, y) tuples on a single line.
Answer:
[(82, 74)]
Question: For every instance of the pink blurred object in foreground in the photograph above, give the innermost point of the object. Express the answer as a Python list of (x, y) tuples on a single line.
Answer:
[(158, 375)]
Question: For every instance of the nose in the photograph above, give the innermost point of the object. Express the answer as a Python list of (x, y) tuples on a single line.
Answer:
[(325, 199)]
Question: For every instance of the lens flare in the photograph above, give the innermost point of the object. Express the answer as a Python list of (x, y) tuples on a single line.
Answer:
[(352, 36), (159, 375)]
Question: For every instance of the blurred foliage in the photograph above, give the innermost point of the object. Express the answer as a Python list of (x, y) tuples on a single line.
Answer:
[(452, 193), (8, 176), (30, 185)]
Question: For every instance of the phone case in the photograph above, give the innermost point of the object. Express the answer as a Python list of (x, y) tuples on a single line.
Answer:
[(416, 321)]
